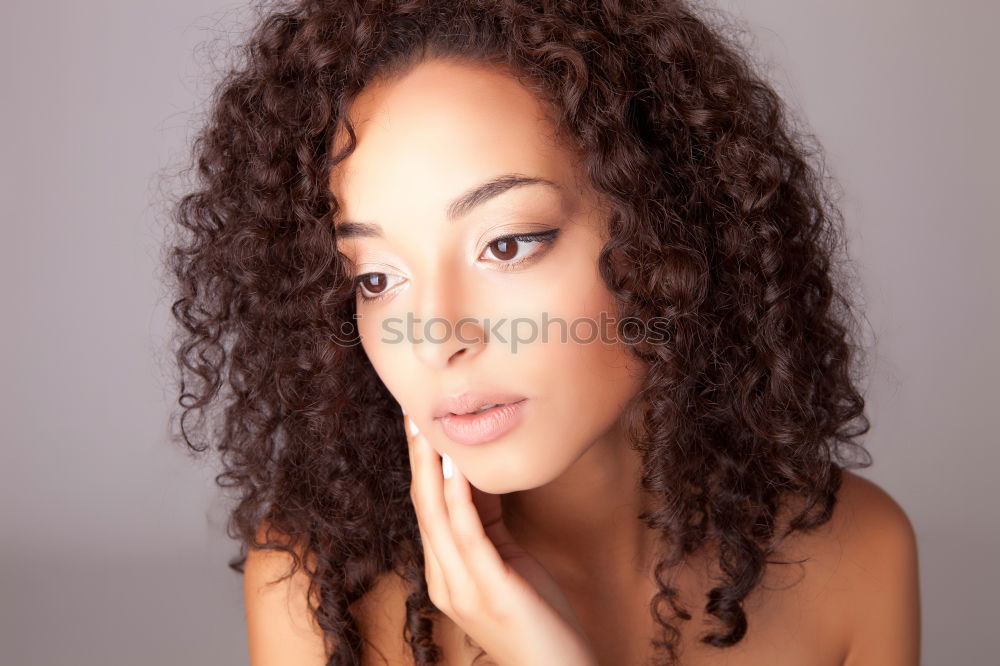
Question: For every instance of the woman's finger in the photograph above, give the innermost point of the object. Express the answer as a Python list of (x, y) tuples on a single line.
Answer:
[(421, 459), (432, 568), (472, 542), (436, 524)]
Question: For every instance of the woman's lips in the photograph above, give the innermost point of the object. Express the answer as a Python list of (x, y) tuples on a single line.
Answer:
[(483, 427)]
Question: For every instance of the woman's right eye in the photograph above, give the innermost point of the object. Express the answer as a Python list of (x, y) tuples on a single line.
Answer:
[(374, 283)]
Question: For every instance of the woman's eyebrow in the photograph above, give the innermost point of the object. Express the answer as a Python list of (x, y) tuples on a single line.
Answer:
[(457, 208)]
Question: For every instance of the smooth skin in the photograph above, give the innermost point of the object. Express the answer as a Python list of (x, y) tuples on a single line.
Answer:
[(565, 476)]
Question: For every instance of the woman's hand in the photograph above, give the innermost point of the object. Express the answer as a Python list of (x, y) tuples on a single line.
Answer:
[(481, 578)]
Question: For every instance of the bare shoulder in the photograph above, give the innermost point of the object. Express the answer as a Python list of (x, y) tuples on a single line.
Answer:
[(874, 538), (869, 515), (281, 630), (381, 617), (869, 550), (867, 524), (882, 576)]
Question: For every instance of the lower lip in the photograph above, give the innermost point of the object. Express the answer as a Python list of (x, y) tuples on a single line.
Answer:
[(485, 427)]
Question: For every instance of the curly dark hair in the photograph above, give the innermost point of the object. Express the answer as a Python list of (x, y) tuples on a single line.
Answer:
[(722, 220)]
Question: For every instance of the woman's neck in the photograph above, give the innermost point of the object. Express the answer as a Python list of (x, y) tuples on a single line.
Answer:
[(584, 525)]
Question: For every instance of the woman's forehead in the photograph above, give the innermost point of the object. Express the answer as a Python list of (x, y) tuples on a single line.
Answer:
[(444, 124)]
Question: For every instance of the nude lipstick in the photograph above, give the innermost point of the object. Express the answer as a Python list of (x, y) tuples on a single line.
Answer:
[(477, 418)]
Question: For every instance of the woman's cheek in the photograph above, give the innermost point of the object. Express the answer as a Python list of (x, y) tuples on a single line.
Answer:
[(381, 346)]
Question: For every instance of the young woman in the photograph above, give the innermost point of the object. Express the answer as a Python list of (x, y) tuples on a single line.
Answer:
[(591, 224)]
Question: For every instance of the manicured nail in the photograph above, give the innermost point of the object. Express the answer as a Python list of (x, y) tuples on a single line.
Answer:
[(446, 465), (413, 427)]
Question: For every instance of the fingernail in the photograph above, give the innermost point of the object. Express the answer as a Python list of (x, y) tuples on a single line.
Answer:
[(413, 427), (446, 465)]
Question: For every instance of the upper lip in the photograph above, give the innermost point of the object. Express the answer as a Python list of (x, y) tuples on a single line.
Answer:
[(470, 401)]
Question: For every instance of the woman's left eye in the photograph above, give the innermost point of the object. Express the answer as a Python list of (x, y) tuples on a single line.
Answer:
[(507, 249)]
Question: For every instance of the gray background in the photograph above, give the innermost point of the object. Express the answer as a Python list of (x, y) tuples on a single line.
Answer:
[(113, 548)]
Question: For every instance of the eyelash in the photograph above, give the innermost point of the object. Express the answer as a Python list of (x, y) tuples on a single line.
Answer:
[(544, 238)]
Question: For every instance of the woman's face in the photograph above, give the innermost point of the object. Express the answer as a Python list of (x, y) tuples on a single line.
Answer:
[(423, 141)]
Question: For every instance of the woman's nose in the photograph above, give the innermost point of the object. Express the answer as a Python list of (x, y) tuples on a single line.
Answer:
[(443, 330), (439, 341)]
